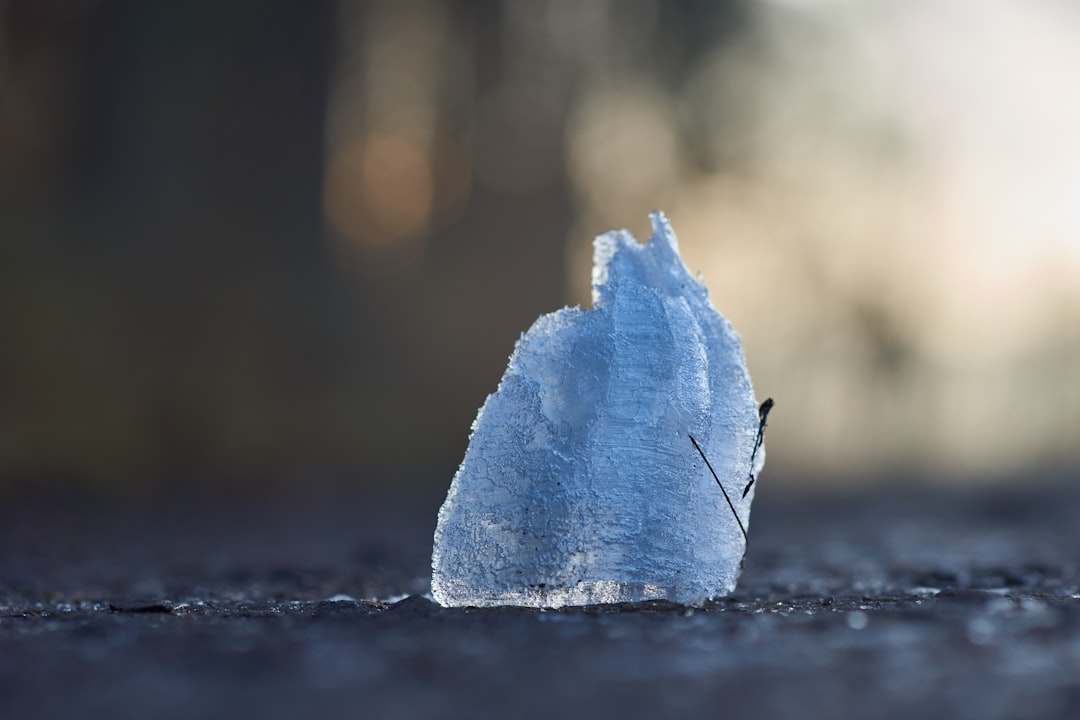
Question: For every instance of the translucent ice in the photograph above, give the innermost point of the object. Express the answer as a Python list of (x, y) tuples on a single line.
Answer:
[(581, 483)]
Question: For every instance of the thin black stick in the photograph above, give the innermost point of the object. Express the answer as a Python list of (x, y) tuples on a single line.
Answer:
[(726, 497), (763, 413)]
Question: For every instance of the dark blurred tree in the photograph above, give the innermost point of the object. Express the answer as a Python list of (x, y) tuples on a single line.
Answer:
[(164, 284)]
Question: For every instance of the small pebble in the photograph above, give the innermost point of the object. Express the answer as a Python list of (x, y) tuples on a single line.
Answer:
[(857, 620)]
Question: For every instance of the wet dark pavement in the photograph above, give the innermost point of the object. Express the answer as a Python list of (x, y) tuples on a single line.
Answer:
[(888, 604)]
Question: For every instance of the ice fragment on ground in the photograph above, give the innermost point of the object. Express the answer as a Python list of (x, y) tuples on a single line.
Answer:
[(580, 484)]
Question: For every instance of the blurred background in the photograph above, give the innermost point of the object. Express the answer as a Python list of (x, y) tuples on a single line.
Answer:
[(262, 243)]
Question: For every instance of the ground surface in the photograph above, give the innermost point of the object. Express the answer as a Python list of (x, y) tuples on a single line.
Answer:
[(885, 605)]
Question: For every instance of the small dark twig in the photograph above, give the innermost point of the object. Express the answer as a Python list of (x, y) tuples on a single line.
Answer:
[(763, 413), (726, 496)]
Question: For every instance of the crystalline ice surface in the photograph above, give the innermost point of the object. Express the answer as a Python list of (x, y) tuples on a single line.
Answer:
[(580, 484)]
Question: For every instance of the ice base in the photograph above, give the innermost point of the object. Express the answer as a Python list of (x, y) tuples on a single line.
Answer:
[(599, 592), (580, 484)]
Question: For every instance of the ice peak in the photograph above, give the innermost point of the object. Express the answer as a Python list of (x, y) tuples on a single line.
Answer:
[(618, 256)]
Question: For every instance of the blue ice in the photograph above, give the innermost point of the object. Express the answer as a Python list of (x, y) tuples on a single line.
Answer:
[(580, 484)]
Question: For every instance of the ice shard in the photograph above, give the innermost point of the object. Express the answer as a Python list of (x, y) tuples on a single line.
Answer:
[(581, 483)]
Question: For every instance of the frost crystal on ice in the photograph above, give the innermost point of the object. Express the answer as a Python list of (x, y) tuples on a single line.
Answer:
[(581, 484)]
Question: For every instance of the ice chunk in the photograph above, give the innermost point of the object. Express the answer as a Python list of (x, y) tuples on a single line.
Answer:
[(583, 482)]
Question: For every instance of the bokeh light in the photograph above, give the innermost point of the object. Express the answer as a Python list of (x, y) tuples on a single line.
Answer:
[(301, 240)]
